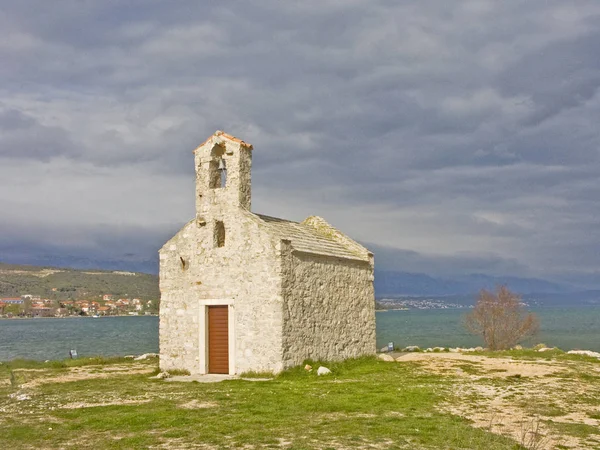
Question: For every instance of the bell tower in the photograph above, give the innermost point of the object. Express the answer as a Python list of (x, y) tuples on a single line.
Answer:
[(223, 182)]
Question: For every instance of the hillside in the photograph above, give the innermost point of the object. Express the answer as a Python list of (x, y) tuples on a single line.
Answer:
[(64, 284), (16, 280)]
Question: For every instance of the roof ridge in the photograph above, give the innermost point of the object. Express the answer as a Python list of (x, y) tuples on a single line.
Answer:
[(308, 239), (227, 136), (276, 218)]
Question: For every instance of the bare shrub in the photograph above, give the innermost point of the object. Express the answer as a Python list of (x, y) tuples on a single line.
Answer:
[(532, 436), (499, 317)]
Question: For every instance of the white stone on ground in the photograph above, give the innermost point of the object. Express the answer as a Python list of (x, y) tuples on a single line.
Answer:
[(146, 356), (323, 371), (584, 352), (411, 348)]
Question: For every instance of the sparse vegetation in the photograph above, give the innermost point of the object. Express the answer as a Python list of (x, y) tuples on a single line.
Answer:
[(178, 372), (501, 319), (364, 403)]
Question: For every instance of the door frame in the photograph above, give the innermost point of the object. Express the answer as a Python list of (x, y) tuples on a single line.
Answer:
[(203, 332)]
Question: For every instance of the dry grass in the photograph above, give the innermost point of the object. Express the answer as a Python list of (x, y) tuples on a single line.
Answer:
[(539, 403)]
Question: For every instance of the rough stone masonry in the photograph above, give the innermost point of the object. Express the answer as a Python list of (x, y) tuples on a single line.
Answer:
[(292, 291)]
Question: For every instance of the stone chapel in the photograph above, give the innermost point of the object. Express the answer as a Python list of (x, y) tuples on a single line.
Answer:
[(246, 292)]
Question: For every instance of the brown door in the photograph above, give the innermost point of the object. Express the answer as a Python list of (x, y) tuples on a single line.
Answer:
[(218, 339)]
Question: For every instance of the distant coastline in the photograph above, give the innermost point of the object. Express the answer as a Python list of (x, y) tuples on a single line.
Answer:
[(77, 317)]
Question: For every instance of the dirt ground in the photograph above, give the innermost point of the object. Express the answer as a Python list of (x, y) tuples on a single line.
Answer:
[(543, 404), (86, 373)]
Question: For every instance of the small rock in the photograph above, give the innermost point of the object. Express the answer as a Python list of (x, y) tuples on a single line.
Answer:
[(540, 346), (546, 349), (145, 356), (454, 350), (47, 361), (412, 348), (323, 371), (20, 397), (584, 352), (428, 350), (518, 347), (161, 376), (384, 349), (129, 356), (307, 368), (385, 357)]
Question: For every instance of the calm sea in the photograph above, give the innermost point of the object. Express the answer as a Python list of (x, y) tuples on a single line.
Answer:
[(41, 339), (565, 328)]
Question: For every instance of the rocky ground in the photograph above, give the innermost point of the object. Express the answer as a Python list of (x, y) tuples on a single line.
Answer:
[(544, 402)]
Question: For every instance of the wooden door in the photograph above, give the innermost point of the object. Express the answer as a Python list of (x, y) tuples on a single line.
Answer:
[(218, 339)]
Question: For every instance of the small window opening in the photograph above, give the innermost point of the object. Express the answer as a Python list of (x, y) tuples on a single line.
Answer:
[(223, 173), (219, 234)]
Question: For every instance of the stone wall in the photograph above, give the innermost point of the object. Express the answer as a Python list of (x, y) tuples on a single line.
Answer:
[(329, 308), (244, 271)]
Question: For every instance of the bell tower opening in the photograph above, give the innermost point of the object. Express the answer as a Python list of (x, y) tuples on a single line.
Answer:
[(217, 168), (223, 166)]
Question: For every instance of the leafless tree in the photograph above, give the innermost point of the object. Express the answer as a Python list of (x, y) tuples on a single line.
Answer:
[(499, 317)]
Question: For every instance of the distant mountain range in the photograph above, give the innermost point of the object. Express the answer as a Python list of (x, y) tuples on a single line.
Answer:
[(388, 283), (463, 290), (64, 283)]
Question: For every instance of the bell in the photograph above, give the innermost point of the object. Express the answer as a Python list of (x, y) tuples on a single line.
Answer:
[(222, 164)]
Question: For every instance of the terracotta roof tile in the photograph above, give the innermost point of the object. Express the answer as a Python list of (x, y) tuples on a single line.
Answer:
[(227, 136)]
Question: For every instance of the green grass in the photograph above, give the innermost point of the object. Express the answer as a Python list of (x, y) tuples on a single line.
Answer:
[(255, 374), (550, 409), (364, 402), (471, 368), (574, 429)]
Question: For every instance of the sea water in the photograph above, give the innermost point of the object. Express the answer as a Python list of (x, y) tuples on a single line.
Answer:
[(41, 339), (564, 327)]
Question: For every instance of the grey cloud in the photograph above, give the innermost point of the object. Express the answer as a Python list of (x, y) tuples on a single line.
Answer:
[(560, 76), (102, 246), (22, 136), (479, 113)]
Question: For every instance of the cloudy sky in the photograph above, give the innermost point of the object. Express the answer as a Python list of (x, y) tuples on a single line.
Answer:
[(453, 137)]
